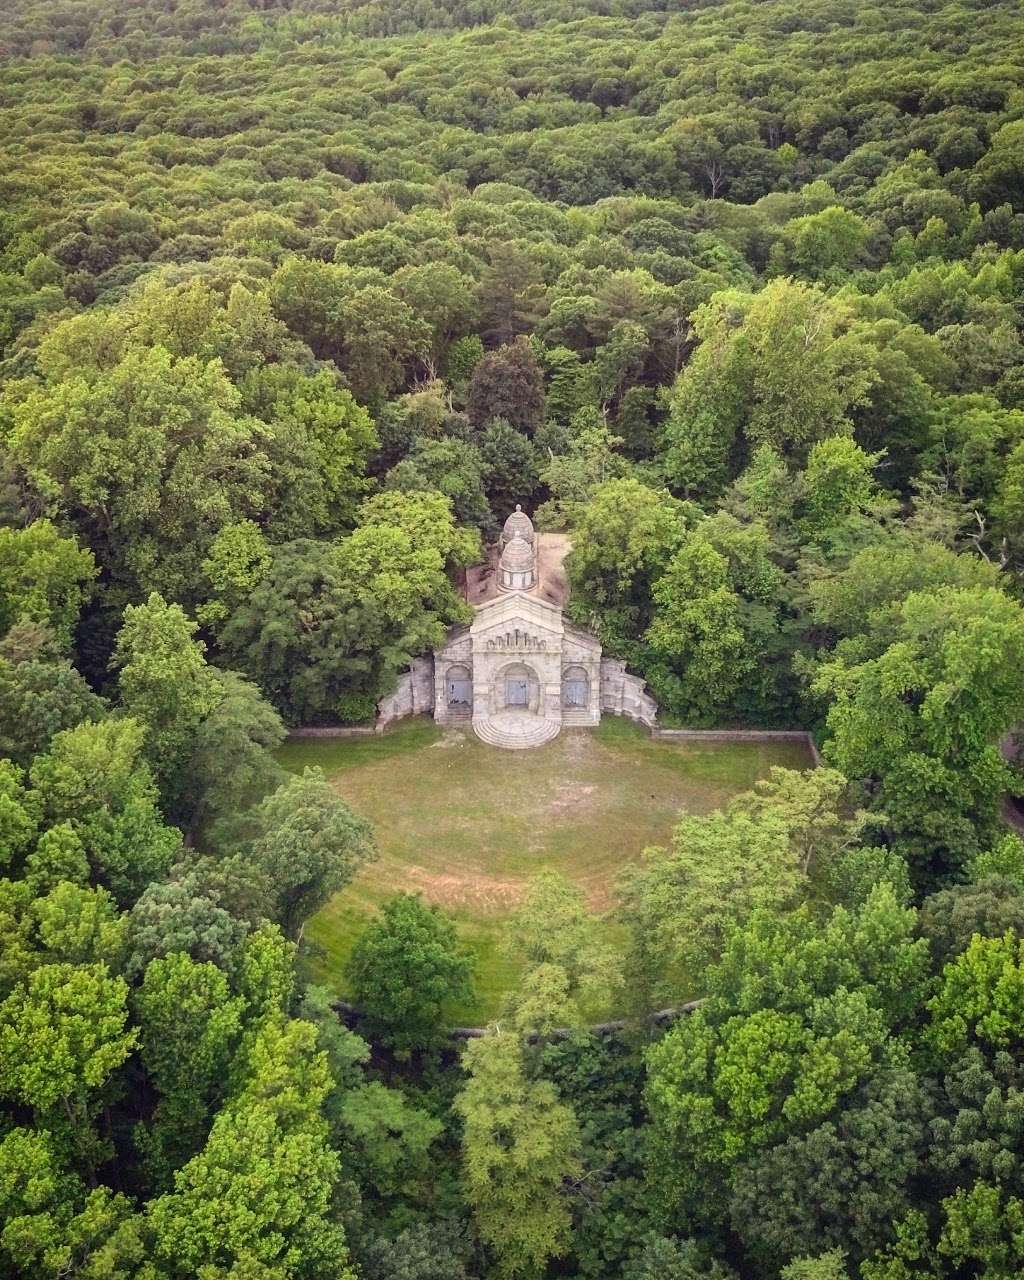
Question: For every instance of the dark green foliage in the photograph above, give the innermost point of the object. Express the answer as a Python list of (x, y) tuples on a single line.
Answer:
[(297, 300), (861, 1164), (950, 919), (507, 384), (423, 1251), (41, 693), (406, 972)]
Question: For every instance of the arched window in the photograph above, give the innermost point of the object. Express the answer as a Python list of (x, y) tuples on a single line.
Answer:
[(575, 688), (459, 686)]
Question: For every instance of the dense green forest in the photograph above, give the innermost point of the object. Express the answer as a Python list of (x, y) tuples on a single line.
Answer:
[(297, 299)]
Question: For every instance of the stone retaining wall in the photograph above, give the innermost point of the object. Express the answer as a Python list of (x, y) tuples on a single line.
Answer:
[(623, 694), (413, 695)]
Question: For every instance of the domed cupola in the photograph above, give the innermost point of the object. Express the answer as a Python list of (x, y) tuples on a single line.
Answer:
[(517, 568), (519, 525)]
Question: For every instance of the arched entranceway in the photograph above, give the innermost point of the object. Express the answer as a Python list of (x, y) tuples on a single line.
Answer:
[(458, 687), (516, 688), (515, 717), (575, 688)]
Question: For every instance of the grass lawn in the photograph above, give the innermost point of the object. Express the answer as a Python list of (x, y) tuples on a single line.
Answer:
[(468, 824)]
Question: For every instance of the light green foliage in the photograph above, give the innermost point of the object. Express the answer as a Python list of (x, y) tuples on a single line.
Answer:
[(919, 724), (777, 368), (236, 561), (682, 902), (570, 968), (80, 926), (52, 1225), (93, 777), (624, 539), (127, 446), (59, 856), (981, 998), (819, 242), (406, 971), (265, 974), (297, 299), (462, 357), (837, 485), (44, 578), (258, 1195), (699, 655), (799, 1016), (911, 1254), (826, 1266), (18, 953), (323, 439), (163, 683), (984, 1229), (207, 731), (19, 813), (861, 600), (519, 1147), (1005, 858), (63, 1031), (189, 1027)]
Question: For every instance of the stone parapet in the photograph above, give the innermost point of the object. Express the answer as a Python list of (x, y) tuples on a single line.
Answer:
[(413, 694), (623, 694)]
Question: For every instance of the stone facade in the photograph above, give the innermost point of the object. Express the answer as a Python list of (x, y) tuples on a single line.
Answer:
[(519, 671), (518, 656)]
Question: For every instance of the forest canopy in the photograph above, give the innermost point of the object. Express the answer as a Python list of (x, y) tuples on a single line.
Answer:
[(298, 298)]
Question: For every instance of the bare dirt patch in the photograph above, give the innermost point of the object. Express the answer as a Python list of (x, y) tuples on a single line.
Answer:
[(572, 797), (477, 892)]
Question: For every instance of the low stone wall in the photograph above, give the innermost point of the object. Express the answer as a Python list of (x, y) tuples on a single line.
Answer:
[(740, 735), (623, 694), (334, 731), (351, 1016)]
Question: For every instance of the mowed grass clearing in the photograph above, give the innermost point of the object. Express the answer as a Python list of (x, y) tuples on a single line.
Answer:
[(467, 825)]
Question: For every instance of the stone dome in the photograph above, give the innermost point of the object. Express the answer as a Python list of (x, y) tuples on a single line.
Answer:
[(518, 525), (518, 554), (517, 568)]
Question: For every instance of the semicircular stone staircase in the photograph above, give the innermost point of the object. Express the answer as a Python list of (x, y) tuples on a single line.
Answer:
[(515, 730)]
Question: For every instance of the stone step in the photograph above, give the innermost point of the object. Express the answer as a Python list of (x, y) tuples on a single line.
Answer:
[(581, 719), (515, 732)]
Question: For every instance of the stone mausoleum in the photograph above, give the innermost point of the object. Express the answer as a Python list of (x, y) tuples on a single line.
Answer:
[(520, 671)]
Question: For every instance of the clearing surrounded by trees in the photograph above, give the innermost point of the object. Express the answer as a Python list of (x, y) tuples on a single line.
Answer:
[(468, 825)]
